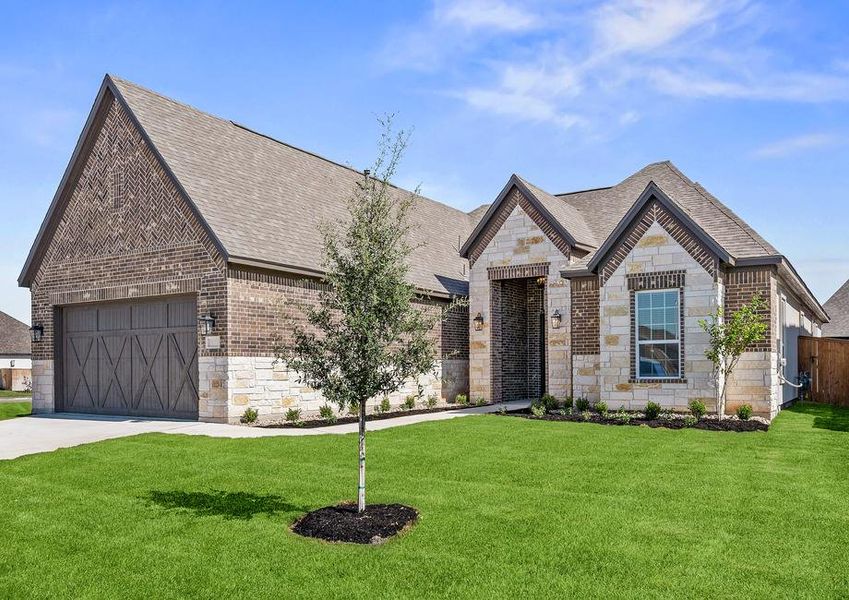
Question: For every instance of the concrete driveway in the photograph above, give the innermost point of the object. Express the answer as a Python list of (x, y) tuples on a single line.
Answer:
[(45, 433)]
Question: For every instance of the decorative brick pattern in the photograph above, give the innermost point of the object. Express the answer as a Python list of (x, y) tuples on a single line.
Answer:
[(741, 284), (585, 315), (655, 212), (514, 198), (518, 271), (125, 237), (657, 281)]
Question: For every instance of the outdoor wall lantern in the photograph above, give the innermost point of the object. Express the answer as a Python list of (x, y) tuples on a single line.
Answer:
[(556, 319), (207, 322), (478, 320), (35, 333)]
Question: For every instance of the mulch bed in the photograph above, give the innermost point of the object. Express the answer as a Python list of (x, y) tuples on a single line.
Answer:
[(727, 424), (343, 523), (372, 417)]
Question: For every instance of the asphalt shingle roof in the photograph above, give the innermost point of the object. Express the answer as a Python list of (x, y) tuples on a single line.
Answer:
[(602, 209), (837, 308), (265, 200), (14, 336)]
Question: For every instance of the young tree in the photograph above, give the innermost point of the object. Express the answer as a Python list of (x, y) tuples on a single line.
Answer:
[(366, 336), (729, 338)]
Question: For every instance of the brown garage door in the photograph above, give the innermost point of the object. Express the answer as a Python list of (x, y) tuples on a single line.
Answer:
[(134, 358)]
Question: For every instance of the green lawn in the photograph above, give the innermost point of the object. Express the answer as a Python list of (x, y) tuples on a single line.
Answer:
[(11, 394), (509, 508), (9, 410)]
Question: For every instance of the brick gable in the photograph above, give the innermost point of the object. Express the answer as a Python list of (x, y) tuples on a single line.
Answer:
[(655, 212), (123, 230), (513, 199)]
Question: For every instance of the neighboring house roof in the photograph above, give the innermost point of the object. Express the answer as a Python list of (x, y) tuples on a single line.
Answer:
[(14, 337), (837, 308), (263, 201)]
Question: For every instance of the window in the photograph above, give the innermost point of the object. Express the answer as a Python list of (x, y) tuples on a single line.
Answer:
[(658, 334)]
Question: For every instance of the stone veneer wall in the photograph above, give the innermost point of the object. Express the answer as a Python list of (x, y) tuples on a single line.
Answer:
[(262, 306), (514, 241), (125, 232), (655, 250)]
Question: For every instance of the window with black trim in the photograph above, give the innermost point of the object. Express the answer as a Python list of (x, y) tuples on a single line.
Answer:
[(658, 334)]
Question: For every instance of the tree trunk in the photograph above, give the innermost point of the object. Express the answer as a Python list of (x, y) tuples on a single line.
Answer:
[(361, 489)]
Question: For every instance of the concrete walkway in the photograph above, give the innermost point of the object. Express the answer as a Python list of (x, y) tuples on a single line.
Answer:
[(45, 433)]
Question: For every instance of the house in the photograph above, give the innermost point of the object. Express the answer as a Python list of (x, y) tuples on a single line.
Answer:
[(172, 253), (15, 360), (599, 293), (837, 308), (177, 243)]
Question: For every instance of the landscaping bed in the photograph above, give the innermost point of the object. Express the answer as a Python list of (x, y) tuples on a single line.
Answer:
[(343, 523), (675, 421), (280, 422)]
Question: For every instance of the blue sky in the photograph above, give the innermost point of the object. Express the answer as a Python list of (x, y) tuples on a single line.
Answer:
[(749, 98)]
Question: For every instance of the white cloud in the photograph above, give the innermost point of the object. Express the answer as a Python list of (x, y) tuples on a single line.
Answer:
[(601, 60), (485, 14), (796, 145), (639, 25)]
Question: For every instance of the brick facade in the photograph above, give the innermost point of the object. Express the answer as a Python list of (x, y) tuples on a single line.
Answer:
[(741, 285), (585, 322), (125, 232)]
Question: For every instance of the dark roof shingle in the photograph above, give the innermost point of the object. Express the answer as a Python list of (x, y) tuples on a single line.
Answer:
[(837, 308), (265, 200), (14, 336)]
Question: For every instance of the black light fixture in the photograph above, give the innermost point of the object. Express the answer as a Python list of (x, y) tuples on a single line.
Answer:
[(556, 319), (207, 322), (36, 332), (478, 321)]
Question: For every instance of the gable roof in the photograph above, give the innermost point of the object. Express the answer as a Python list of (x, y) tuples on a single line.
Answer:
[(14, 336), (594, 219), (263, 201), (837, 308)]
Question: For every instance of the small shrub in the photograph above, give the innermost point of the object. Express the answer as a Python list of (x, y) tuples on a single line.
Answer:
[(409, 403), (568, 402), (582, 404), (293, 415), (537, 409), (550, 402), (586, 415), (326, 413), (249, 416), (383, 407), (480, 401), (431, 401), (690, 421), (354, 409), (697, 408), (744, 411), (622, 415), (601, 408), (652, 411), (461, 399)]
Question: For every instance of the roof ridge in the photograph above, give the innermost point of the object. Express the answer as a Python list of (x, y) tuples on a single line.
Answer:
[(233, 123), (596, 189), (715, 202)]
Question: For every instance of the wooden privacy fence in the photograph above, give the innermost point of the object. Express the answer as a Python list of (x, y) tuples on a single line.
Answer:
[(827, 361)]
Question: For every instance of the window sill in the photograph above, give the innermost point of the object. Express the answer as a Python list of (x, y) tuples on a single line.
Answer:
[(657, 380)]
